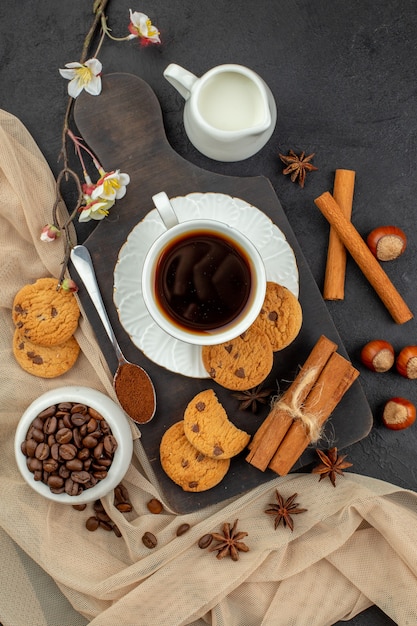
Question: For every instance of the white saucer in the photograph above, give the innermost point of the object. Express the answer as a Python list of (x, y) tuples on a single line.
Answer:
[(178, 356)]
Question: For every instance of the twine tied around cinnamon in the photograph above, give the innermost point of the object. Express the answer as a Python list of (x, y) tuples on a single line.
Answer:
[(295, 407)]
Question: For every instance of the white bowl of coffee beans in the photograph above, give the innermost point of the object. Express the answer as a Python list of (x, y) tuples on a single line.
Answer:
[(73, 445)]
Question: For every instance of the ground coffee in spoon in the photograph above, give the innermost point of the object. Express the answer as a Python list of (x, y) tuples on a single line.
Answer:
[(135, 392)]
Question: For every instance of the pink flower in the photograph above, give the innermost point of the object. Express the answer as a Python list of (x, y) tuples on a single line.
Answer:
[(69, 285), (50, 233), (141, 26)]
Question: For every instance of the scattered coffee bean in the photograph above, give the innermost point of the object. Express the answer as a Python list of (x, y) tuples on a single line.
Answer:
[(124, 507), (69, 447), (92, 523), (116, 530), (182, 529), (205, 541), (79, 507), (149, 540), (155, 506)]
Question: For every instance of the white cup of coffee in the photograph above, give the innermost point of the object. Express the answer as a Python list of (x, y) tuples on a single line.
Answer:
[(203, 281)]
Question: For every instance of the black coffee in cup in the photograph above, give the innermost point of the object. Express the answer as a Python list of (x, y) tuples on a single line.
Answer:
[(202, 280)]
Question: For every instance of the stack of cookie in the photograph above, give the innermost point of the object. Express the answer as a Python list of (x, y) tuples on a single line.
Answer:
[(196, 451), (45, 319), (246, 361)]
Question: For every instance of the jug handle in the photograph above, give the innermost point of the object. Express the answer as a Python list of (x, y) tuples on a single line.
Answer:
[(181, 79)]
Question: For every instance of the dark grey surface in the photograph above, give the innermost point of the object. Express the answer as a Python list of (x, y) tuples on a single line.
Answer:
[(343, 76)]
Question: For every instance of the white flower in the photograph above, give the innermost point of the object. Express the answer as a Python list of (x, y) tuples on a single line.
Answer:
[(111, 186), (95, 210), (141, 26), (83, 76)]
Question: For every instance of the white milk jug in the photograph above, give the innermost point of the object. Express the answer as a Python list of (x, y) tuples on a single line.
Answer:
[(229, 113)]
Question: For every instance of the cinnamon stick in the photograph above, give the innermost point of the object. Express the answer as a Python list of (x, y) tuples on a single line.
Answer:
[(335, 379), (364, 258), (334, 277), (275, 426)]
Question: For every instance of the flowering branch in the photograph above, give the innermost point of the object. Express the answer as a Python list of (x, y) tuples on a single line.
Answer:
[(94, 200)]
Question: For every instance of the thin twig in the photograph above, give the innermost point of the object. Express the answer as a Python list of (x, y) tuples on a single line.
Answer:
[(99, 7)]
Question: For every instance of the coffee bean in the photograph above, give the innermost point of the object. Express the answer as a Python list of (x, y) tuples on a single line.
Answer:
[(67, 451), (110, 444), (81, 409), (74, 465), (92, 523), (47, 412), (124, 507), (102, 516), (116, 530), (50, 425), (149, 540), (71, 488), (81, 477), (155, 506), (31, 446), (93, 413), (55, 482), (79, 507), (89, 441), (63, 435), (105, 525), (65, 406), (100, 474), (38, 423), (182, 529), (98, 450), (78, 419), (205, 541), (42, 451), (64, 471), (92, 425), (98, 506), (34, 464), (50, 465), (83, 454), (38, 435), (55, 451), (66, 420)]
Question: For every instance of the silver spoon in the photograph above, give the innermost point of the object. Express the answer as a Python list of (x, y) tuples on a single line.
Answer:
[(135, 406)]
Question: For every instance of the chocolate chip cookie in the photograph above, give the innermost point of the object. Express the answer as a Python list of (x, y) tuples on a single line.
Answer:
[(185, 465), (43, 315), (281, 316), (208, 428), (241, 363)]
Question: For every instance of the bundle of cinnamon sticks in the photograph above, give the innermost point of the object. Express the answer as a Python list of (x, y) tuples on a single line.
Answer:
[(296, 419)]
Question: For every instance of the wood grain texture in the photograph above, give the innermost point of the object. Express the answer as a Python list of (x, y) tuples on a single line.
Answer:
[(124, 127)]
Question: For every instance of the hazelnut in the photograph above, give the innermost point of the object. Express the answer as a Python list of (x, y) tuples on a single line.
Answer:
[(398, 413), (378, 355), (387, 242), (406, 362)]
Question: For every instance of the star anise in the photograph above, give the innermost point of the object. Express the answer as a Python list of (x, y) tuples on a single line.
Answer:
[(297, 166), (284, 509), (331, 465), (250, 398), (229, 542)]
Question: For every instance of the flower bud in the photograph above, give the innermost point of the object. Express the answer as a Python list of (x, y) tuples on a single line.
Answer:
[(49, 233), (69, 285)]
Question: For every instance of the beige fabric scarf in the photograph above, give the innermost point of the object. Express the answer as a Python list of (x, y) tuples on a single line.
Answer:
[(354, 547)]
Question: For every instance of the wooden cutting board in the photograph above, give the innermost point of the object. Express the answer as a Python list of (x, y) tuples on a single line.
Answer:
[(124, 127)]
